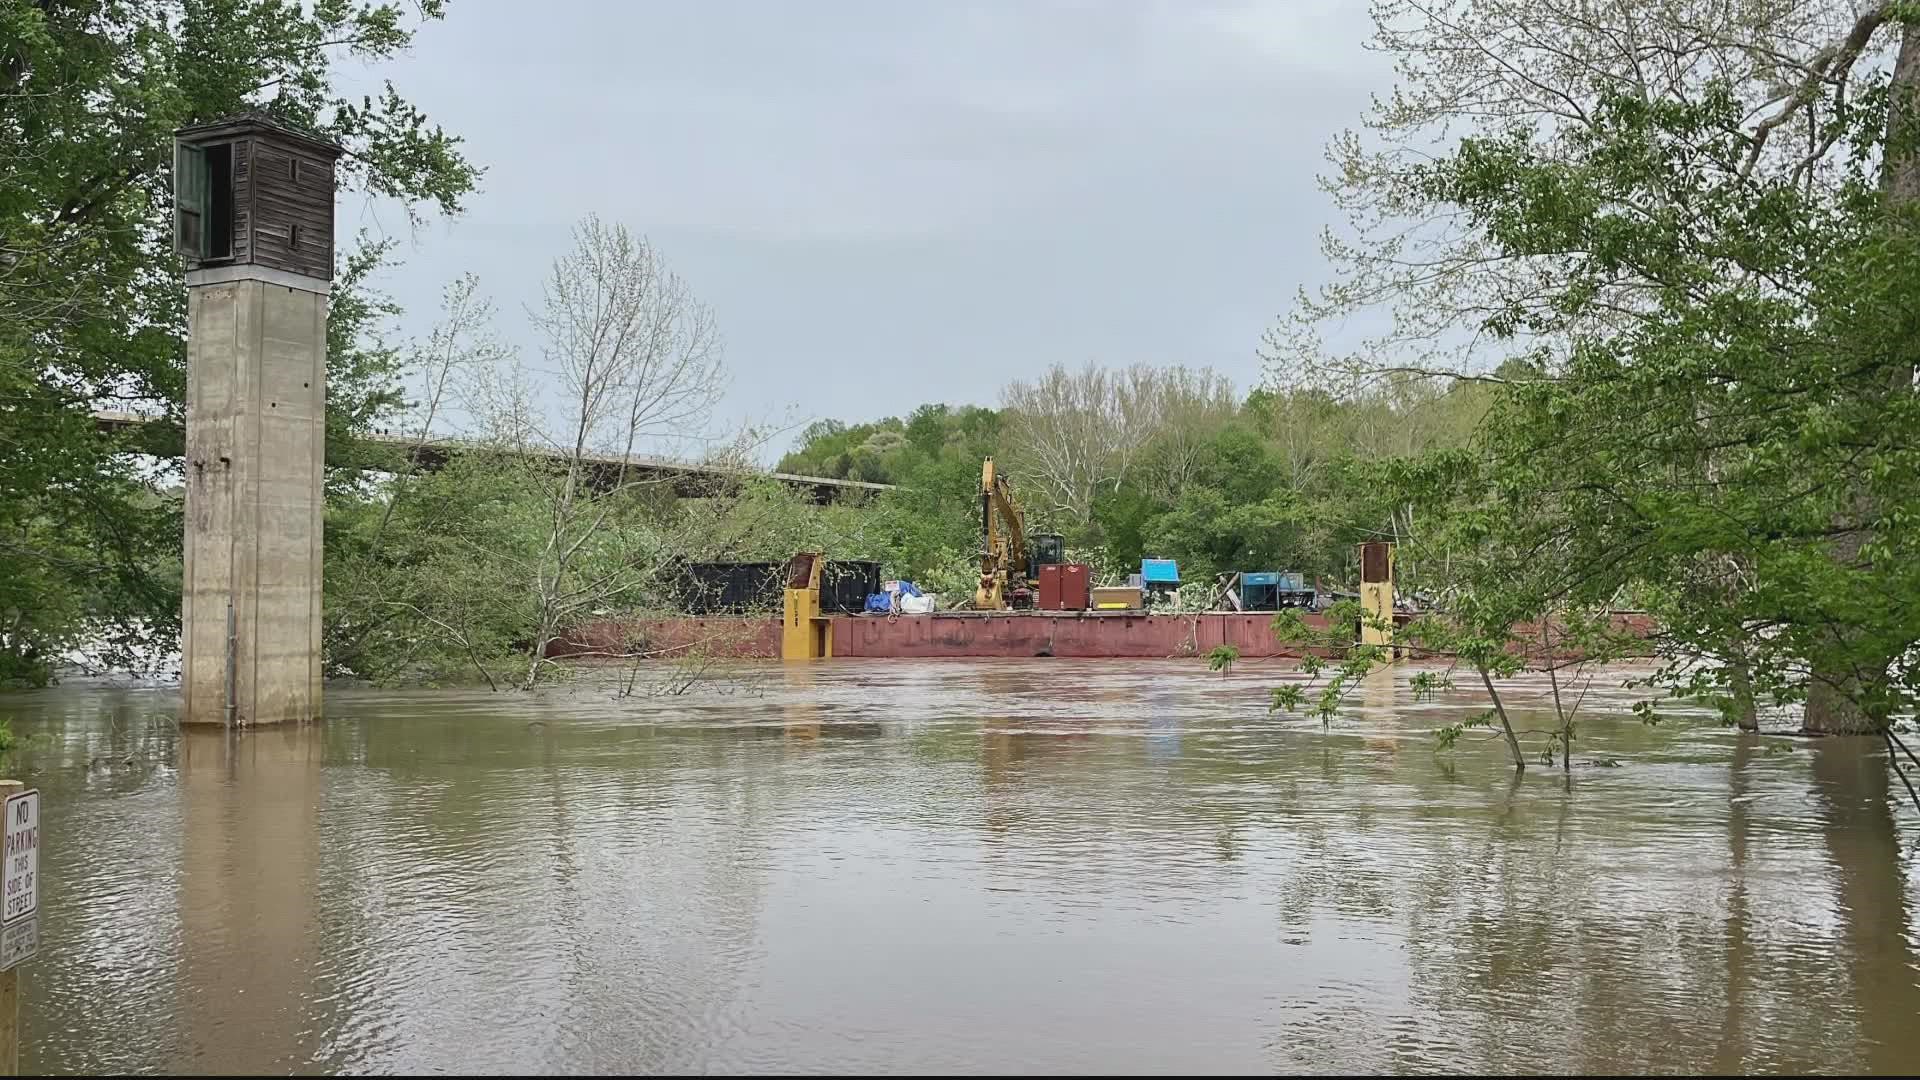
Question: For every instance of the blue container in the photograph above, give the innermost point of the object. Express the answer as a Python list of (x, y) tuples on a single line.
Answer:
[(1262, 577), (1159, 572), (1292, 582)]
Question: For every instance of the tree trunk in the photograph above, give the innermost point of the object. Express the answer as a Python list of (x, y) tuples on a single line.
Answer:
[(1900, 174), (1833, 708), (1834, 694), (1746, 713), (1506, 726)]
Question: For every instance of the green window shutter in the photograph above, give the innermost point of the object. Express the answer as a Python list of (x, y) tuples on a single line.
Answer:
[(192, 224)]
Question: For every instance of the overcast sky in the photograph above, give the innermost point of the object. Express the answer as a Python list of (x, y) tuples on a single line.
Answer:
[(890, 203)]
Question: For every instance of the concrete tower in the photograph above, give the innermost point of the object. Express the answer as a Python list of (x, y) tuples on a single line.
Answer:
[(253, 217)]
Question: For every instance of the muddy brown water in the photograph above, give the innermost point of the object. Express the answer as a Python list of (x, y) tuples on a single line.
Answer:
[(975, 866)]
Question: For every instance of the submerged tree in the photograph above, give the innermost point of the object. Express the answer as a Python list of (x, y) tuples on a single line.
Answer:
[(1501, 596), (1692, 225), (637, 361), (546, 516), (384, 611)]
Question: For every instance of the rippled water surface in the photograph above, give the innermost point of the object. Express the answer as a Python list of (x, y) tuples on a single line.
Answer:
[(981, 866)]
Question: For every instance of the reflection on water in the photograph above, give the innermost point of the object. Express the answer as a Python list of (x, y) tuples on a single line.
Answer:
[(1048, 865)]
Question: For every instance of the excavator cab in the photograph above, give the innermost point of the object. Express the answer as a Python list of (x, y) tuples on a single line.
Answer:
[(1047, 549)]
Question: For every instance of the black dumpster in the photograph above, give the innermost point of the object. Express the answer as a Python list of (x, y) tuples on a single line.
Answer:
[(845, 585), (731, 588)]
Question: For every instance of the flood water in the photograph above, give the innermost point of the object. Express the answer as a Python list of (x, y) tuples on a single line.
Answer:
[(1045, 865)]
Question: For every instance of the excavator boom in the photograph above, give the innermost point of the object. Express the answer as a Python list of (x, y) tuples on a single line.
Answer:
[(1003, 533)]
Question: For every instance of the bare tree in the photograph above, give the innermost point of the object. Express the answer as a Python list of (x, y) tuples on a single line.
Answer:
[(361, 600), (1064, 433), (636, 360), (554, 511), (1182, 409), (1409, 261), (1072, 434), (462, 342)]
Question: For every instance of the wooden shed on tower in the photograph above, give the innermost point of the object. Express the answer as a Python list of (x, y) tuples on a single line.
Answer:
[(254, 190)]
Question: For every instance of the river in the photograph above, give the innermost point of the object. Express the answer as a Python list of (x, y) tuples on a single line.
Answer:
[(998, 866)]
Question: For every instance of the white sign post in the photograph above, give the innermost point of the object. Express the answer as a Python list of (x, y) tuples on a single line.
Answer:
[(19, 940), (19, 903), (20, 864)]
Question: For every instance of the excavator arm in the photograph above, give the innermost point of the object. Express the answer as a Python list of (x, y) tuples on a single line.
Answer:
[(1003, 532)]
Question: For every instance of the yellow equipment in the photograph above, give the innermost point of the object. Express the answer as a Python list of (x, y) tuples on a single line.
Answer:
[(1376, 595), (805, 634), (1003, 557)]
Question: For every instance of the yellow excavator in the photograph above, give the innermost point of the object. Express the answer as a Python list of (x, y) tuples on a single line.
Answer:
[(1009, 569), (1003, 556)]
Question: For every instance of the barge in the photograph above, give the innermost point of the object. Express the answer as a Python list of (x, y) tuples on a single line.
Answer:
[(1084, 634), (817, 621), (958, 634)]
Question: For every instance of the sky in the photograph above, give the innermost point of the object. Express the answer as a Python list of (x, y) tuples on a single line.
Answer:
[(893, 203)]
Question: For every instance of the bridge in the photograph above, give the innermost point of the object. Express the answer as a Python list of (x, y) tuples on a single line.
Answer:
[(163, 438)]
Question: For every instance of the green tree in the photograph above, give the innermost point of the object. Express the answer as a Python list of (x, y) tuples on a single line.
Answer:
[(1736, 447), (1286, 480), (92, 315), (1692, 228), (929, 523)]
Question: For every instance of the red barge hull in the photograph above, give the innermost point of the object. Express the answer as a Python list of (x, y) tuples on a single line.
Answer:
[(1082, 634), (1085, 634)]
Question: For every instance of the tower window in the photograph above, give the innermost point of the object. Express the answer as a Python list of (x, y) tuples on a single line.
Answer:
[(203, 201)]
